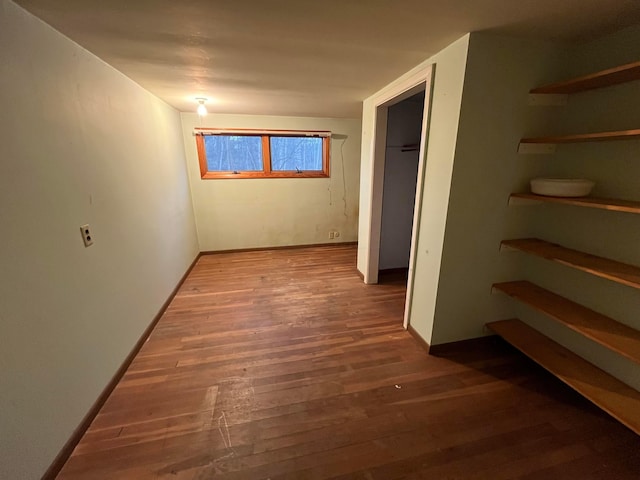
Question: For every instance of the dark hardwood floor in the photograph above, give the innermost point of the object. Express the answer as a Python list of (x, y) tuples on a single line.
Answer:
[(283, 365)]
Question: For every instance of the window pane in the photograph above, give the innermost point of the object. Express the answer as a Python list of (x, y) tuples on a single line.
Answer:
[(228, 153), (296, 153)]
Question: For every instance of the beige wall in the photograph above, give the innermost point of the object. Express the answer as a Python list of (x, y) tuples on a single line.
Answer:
[(445, 111), (494, 116), (247, 213), (80, 143), (445, 114)]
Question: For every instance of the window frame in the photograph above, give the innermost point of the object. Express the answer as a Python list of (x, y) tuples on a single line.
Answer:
[(266, 136)]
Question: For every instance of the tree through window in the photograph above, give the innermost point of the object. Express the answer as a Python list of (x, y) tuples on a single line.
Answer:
[(275, 154)]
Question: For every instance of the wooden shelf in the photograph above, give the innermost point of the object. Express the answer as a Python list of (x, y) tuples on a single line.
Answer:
[(602, 267), (605, 78), (585, 137), (607, 332), (590, 202), (611, 395)]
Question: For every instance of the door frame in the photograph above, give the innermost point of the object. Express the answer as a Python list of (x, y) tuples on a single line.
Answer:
[(420, 79)]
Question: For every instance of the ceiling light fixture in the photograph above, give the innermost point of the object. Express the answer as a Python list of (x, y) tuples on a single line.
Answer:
[(202, 109)]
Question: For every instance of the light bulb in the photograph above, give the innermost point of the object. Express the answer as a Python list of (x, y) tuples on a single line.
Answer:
[(202, 109)]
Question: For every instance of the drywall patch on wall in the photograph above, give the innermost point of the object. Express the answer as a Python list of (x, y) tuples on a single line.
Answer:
[(81, 144), (267, 212)]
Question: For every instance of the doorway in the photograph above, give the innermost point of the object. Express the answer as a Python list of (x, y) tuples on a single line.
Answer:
[(404, 125), (419, 86)]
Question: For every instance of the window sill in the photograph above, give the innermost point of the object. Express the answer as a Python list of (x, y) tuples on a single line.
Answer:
[(229, 175)]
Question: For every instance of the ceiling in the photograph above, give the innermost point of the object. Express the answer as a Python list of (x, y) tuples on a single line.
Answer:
[(301, 57)]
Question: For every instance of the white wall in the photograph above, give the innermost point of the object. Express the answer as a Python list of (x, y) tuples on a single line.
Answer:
[(445, 115), (445, 110), (494, 116), (404, 124), (80, 143), (246, 213)]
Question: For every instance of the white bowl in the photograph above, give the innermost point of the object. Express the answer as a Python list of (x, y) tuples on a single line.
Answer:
[(561, 187)]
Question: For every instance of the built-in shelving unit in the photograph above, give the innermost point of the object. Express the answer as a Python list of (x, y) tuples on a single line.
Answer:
[(604, 78), (601, 267), (610, 394), (607, 332), (627, 206)]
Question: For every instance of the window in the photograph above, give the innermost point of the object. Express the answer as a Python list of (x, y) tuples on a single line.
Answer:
[(262, 154)]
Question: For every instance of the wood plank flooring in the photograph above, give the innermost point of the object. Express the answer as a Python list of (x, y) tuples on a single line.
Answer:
[(283, 365)]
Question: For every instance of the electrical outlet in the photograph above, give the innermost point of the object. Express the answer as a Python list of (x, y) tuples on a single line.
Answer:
[(87, 238), (331, 235), (336, 234)]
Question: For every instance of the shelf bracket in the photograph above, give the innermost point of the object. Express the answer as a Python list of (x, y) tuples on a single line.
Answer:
[(548, 99), (536, 148), (507, 248)]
